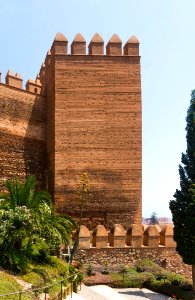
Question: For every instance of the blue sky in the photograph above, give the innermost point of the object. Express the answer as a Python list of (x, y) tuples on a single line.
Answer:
[(166, 30)]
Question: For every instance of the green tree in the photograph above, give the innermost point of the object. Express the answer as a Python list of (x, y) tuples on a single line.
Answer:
[(83, 192), (183, 206), (153, 218), (30, 229)]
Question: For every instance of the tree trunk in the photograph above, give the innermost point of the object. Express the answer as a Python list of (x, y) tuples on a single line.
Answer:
[(193, 277)]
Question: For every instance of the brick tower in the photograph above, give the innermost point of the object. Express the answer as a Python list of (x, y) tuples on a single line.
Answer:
[(82, 114), (94, 126)]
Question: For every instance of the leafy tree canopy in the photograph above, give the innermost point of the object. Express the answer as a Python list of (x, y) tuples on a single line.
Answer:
[(30, 229)]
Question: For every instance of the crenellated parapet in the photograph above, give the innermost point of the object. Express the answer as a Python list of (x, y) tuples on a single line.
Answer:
[(16, 81), (95, 48), (152, 236), (77, 47), (33, 86)]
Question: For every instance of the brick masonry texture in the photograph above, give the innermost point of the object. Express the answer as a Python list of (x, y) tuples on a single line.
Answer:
[(88, 118), (98, 130), (22, 135)]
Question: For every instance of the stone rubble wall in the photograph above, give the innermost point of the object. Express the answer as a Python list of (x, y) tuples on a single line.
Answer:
[(167, 258)]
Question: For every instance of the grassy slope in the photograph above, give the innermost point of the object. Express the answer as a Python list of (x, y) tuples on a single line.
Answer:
[(38, 276), (9, 284)]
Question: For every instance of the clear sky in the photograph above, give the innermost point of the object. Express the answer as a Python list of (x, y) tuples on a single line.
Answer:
[(166, 30)]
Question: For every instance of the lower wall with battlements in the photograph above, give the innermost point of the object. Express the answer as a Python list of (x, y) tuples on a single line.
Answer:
[(22, 135), (119, 246), (168, 258)]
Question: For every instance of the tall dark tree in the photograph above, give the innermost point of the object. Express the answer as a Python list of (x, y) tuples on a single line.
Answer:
[(153, 218), (183, 206)]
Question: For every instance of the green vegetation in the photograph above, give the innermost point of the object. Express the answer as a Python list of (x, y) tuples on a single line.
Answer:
[(40, 276), (31, 232), (183, 207), (147, 274), (9, 284), (30, 229), (46, 274), (83, 192), (153, 218), (90, 271)]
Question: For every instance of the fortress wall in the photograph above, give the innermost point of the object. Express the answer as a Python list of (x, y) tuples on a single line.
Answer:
[(89, 121), (22, 134), (48, 88), (123, 247), (98, 130), (168, 258)]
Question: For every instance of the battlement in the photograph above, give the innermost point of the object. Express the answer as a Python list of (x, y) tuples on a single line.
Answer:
[(136, 236), (77, 47), (95, 48), (16, 81)]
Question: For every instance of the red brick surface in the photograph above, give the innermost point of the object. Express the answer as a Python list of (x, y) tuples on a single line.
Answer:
[(89, 120), (22, 134), (96, 126)]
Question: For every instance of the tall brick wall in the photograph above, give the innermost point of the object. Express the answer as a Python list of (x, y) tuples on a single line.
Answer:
[(22, 134), (88, 119), (94, 121)]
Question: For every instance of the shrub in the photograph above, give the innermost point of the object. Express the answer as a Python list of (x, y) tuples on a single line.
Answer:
[(105, 271), (90, 271), (30, 229), (60, 265), (186, 287), (146, 265), (80, 277), (123, 269), (131, 279), (34, 278)]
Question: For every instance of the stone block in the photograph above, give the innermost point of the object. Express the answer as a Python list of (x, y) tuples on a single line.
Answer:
[(132, 47), (114, 46), (151, 236), (117, 237), (134, 236), (84, 237), (166, 236), (33, 86), (96, 46), (78, 45), (60, 45), (100, 237), (14, 80)]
